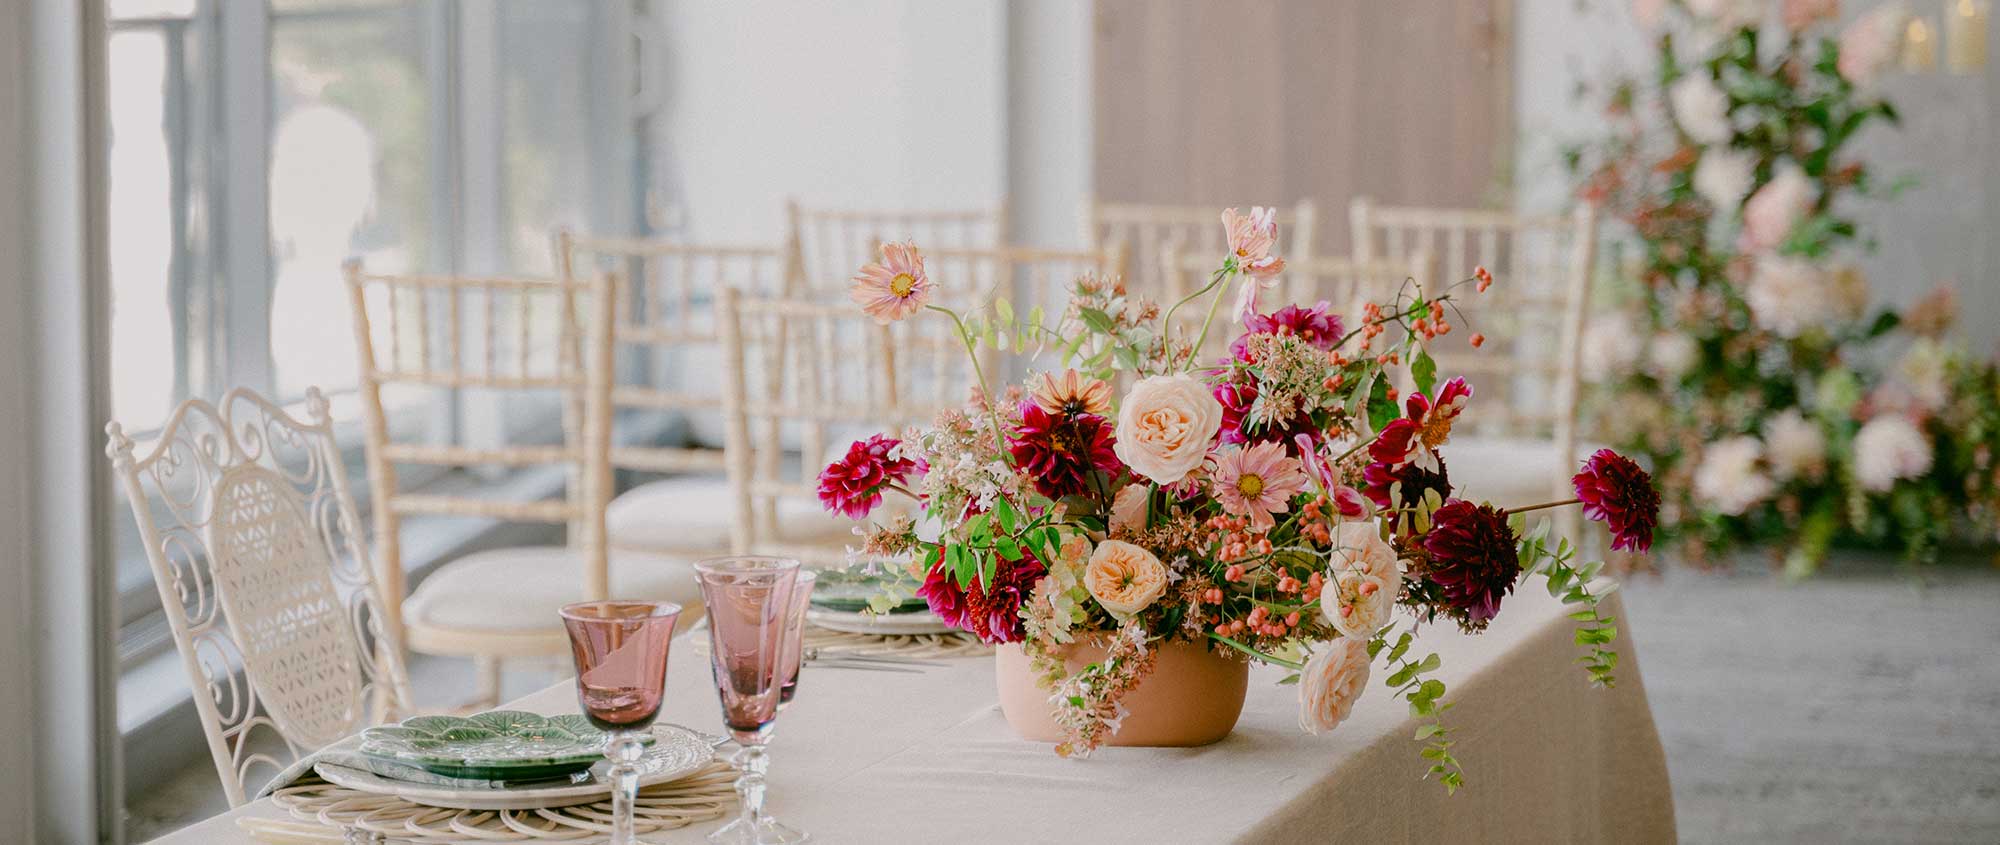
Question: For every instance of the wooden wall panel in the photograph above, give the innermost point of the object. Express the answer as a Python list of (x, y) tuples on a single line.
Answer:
[(1272, 101)]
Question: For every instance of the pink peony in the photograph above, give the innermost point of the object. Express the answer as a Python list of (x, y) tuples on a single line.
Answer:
[(853, 485), (1771, 213)]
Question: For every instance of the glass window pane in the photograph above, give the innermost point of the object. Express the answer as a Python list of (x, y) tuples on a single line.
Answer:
[(546, 53), (351, 175), (144, 359)]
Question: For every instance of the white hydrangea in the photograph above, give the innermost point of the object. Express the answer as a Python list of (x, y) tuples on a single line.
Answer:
[(1672, 354), (1889, 449), (1724, 177), (1728, 479), (1924, 371), (1788, 296), (1701, 109), (1610, 347), (1795, 445)]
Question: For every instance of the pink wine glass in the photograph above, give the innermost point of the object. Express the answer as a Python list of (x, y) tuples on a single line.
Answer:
[(749, 599), (620, 649), (795, 635)]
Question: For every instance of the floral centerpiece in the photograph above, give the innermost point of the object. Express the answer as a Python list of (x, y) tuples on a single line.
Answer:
[(1750, 371), (1275, 505)]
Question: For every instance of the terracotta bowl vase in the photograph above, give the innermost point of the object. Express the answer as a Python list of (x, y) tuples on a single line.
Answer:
[(1192, 697)]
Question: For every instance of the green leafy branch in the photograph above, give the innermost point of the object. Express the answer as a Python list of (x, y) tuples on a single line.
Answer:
[(1423, 694), (1570, 582)]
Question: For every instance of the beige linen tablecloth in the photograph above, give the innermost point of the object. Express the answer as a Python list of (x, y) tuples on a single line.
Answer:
[(881, 757)]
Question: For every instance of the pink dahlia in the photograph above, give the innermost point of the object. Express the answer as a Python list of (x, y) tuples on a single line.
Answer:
[(1434, 415), (990, 611), (1059, 451), (894, 287), (1257, 481), (1616, 492), (1317, 324), (1472, 560), (853, 485)]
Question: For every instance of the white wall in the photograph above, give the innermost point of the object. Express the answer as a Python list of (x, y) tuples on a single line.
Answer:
[(17, 761), (1942, 230), (869, 103), (1048, 120)]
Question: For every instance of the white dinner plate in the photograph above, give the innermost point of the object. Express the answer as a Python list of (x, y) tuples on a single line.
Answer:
[(886, 624), (677, 753)]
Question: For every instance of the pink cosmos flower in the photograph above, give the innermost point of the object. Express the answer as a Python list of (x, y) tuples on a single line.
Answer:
[(1257, 481), (1251, 239), (894, 287)]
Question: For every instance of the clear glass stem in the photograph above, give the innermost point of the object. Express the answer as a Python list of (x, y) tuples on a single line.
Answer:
[(750, 784), (624, 753)]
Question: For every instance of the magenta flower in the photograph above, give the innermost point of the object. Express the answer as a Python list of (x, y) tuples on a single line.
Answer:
[(1059, 452), (1616, 492), (1434, 416), (990, 611), (1317, 324), (1472, 560), (1396, 444), (853, 485), (1236, 400)]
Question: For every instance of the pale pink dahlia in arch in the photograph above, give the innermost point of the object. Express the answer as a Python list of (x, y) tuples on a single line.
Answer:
[(894, 287), (1257, 481)]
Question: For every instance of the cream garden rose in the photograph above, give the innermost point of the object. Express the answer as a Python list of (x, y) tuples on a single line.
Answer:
[(1366, 578), (1332, 680), (1124, 578), (1165, 427)]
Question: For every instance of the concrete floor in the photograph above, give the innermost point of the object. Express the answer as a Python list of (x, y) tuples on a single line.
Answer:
[(1861, 706)]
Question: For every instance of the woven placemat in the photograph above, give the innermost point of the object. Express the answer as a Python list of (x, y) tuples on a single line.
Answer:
[(322, 812)]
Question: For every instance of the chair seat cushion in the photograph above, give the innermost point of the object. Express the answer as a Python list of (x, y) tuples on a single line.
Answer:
[(692, 515), (1505, 470), (519, 590)]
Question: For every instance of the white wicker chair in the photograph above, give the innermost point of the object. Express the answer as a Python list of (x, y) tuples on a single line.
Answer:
[(808, 386), (511, 340), (664, 323), (830, 243), (1150, 231), (265, 579), (1520, 444)]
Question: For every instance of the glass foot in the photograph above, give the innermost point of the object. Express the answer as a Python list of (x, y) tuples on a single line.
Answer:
[(764, 831)]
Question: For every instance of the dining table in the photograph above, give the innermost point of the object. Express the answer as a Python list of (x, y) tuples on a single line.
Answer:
[(925, 756)]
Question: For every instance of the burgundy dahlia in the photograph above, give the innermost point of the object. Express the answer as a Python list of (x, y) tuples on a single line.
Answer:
[(1472, 560), (990, 611), (1616, 492), (1059, 451), (853, 485), (1315, 324), (1376, 479)]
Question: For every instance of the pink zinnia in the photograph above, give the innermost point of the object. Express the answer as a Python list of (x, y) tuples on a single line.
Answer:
[(894, 287), (853, 485), (1257, 481)]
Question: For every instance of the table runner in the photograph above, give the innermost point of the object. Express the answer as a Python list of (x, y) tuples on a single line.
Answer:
[(888, 757)]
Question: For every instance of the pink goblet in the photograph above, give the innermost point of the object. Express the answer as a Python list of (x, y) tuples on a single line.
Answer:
[(795, 635), (749, 599), (620, 648)]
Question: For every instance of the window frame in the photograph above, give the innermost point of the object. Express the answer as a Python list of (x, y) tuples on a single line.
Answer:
[(222, 331)]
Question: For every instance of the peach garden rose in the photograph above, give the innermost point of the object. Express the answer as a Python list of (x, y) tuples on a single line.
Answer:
[(1366, 578), (1166, 425), (1124, 578)]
